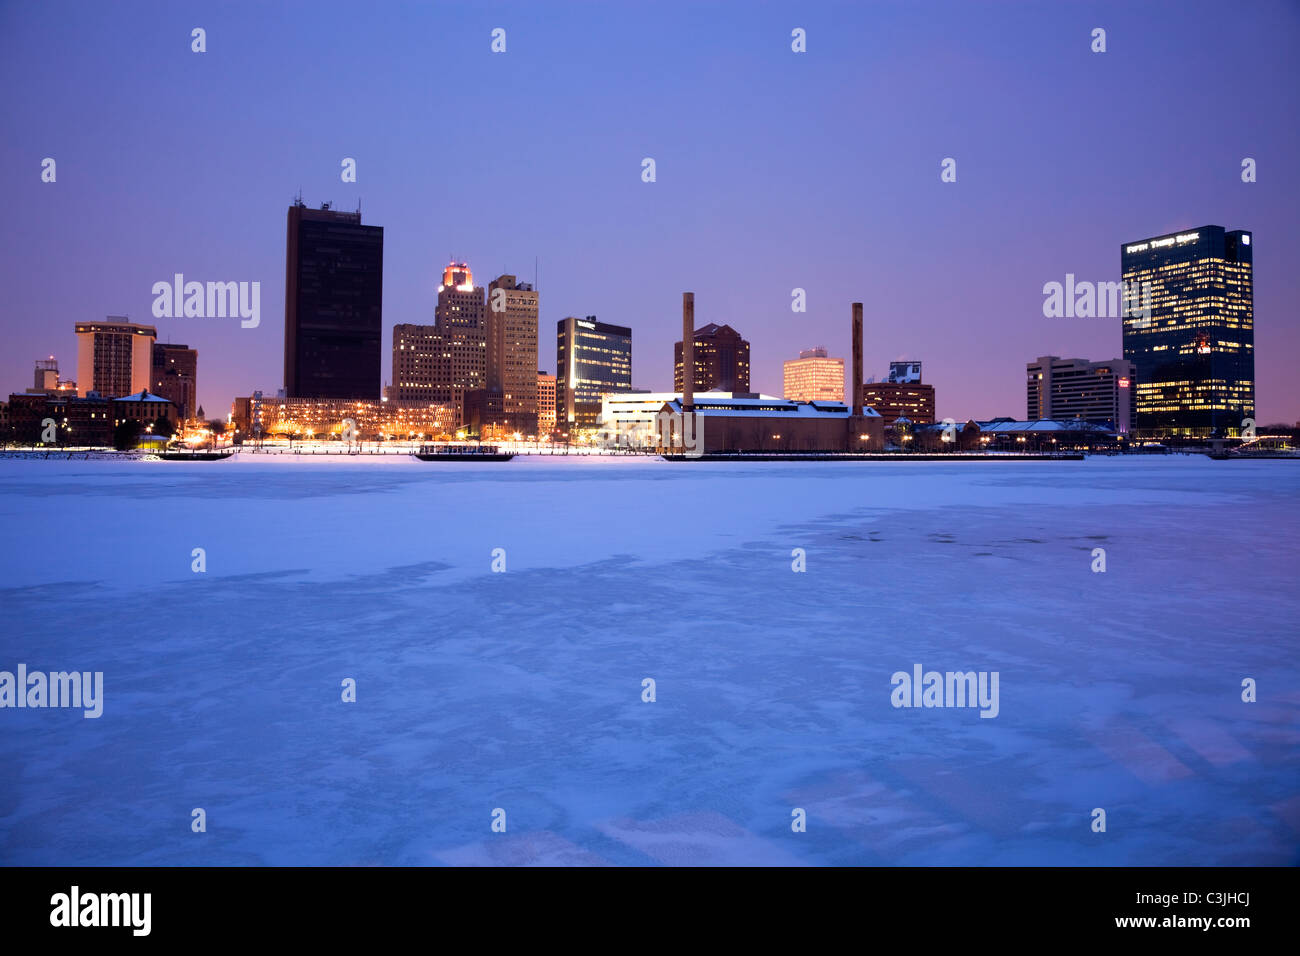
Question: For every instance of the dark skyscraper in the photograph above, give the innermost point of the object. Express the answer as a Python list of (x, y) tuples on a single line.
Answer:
[(333, 301), (594, 360), (721, 360), (1194, 355)]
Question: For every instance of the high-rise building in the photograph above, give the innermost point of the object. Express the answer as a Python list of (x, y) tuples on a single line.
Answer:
[(440, 363), (1193, 355), (813, 377), (175, 377), (512, 351), (114, 357), (421, 367), (594, 359), (1100, 393), (545, 403), (460, 318), (721, 360), (333, 304)]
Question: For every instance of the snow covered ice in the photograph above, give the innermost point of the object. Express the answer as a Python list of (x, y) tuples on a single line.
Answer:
[(522, 690)]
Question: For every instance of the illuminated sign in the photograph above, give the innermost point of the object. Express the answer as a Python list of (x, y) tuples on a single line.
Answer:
[(1245, 240), (1180, 239), (1123, 383)]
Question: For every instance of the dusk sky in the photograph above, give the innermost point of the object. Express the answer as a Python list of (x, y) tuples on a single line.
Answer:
[(775, 170)]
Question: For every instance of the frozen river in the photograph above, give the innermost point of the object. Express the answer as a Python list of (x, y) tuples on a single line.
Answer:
[(522, 689)]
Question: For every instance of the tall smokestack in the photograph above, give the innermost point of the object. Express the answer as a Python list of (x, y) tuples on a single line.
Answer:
[(688, 351), (855, 400)]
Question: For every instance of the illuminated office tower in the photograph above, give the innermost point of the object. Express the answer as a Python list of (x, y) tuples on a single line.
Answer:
[(440, 363), (461, 322), (813, 377), (1194, 355), (594, 360)]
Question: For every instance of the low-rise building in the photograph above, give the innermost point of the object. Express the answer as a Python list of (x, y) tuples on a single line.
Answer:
[(259, 416), (762, 424), (144, 407), (1008, 434)]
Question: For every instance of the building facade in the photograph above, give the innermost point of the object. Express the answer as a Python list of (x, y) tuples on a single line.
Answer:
[(893, 401), (441, 363), (721, 360), (460, 319), (144, 407), (333, 304), (512, 351), (1101, 393), (260, 417), (114, 357), (77, 421), (1193, 355), (545, 404), (175, 377), (813, 377), (594, 359), (765, 425)]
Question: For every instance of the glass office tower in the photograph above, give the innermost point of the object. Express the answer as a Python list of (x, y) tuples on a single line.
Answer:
[(1194, 355), (594, 360)]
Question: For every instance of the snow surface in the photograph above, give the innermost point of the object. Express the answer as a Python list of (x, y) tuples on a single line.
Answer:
[(522, 690)]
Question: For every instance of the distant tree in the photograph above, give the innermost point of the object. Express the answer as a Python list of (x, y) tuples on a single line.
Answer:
[(126, 435), (217, 426), (163, 426)]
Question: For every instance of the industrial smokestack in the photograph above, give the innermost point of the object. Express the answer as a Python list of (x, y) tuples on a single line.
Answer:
[(688, 351), (855, 400)]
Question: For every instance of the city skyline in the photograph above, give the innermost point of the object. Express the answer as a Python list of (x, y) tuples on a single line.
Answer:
[(954, 270), (945, 344)]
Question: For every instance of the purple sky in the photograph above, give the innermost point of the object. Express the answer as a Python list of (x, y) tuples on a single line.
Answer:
[(776, 170)]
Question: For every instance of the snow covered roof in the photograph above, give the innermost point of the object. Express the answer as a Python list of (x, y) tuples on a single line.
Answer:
[(143, 396), (1041, 425), (768, 408), (1007, 425)]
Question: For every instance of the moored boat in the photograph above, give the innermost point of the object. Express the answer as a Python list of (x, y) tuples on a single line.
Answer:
[(442, 451)]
